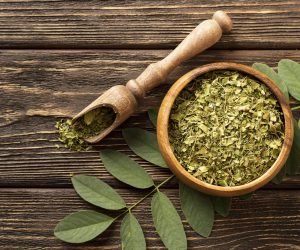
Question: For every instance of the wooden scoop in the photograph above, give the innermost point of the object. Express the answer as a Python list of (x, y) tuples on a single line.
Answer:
[(124, 99)]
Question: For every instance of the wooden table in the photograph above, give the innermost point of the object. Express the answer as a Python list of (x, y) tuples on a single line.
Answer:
[(58, 56)]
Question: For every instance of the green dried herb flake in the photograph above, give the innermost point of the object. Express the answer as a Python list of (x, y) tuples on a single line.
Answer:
[(226, 128), (91, 124), (70, 137), (94, 122)]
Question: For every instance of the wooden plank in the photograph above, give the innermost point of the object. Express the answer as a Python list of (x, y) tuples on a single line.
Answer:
[(144, 24), (270, 221), (38, 86)]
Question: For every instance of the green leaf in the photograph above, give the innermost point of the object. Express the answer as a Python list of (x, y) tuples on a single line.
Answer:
[(167, 222), (144, 144), (152, 113), (132, 234), (289, 71), (222, 205), (97, 192), (246, 196), (82, 226), (274, 76), (125, 169), (293, 162), (279, 177), (198, 209)]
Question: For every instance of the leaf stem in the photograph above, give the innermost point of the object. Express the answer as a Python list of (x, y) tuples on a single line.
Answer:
[(165, 181), (145, 197), (295, 108)]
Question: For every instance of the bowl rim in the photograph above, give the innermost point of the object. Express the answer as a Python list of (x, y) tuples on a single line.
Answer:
[(175, 166)]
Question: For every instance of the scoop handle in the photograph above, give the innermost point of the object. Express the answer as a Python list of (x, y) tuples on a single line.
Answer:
[(206, 34)]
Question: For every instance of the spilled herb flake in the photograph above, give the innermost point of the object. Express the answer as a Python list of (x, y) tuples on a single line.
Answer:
[(70, 137), (226, 128), (91, 124)]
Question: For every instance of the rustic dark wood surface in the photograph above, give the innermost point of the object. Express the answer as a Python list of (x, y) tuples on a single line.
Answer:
[(145, 24), (57, 56), (269, 221)]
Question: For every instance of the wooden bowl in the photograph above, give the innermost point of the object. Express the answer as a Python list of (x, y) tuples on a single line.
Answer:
[(190, 180)]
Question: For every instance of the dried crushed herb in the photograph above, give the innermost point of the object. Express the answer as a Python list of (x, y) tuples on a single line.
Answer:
[(91, 124), (70, 137), (95, 121), (226, 128)]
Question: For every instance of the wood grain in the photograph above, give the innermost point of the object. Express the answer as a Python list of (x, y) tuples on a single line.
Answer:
[(144, 24), (270, 221), (38, 86)]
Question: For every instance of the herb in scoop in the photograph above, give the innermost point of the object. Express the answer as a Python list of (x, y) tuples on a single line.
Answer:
[(226, 128), (91, 124)]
